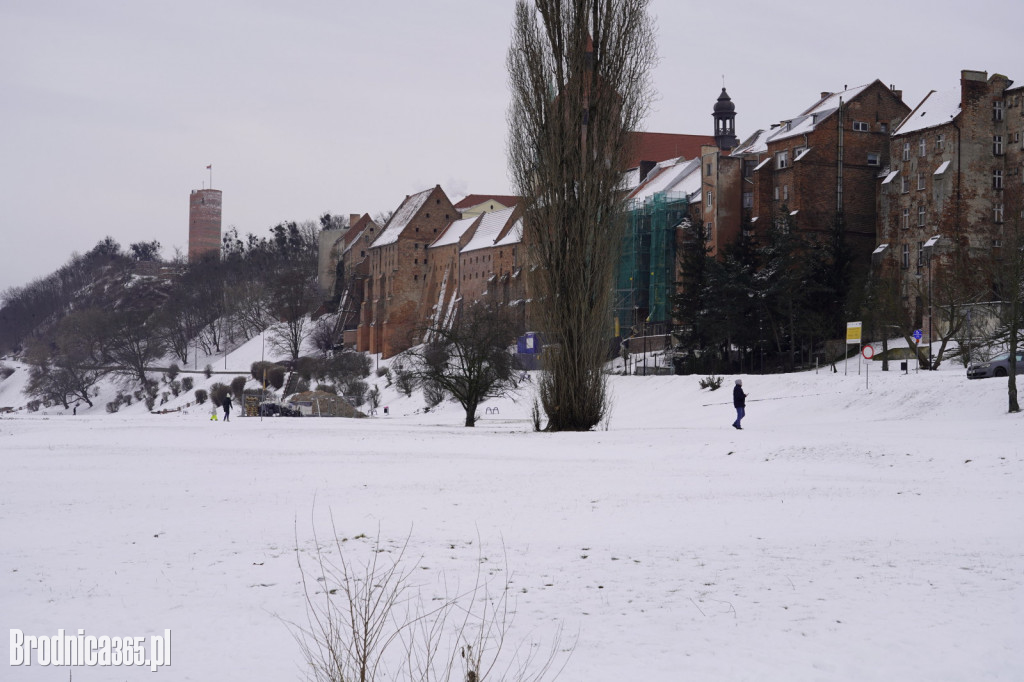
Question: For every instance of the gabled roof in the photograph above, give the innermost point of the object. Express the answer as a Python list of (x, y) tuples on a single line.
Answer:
[(937, 108), (664, 146), (400, 220), (471, 200), (356, 231), (489, 229), (455, 231), (676, 176), (805, 123), (513, 236)]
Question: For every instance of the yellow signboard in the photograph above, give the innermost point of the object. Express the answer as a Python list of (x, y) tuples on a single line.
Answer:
[(853, 332)]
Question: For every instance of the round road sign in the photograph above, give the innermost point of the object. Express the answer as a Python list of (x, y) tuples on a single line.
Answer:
[(868, 352)]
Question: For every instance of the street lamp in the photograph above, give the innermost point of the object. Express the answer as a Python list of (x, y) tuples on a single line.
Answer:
[(929, 247)]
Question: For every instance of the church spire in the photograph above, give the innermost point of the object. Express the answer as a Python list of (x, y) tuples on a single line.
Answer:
[(725, 122)]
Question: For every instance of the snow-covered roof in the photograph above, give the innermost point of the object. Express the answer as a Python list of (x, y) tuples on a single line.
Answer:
[(676, 176), (400, 220), (942, 168), (937, 108), (890, 177), (802, 154), (454, 232), (490, 227), (514, 236), (805, 123), (755, 144)]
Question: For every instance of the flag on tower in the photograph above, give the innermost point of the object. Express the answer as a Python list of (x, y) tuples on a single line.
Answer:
[(209, 167)]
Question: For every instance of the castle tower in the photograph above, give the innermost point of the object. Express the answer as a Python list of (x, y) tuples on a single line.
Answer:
[(204, 207), (725, 122)]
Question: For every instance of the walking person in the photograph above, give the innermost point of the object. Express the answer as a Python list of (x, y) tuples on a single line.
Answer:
[(739, 401), (227, 407)]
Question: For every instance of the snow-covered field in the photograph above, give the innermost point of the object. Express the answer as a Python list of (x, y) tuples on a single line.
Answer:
[(858, 528)]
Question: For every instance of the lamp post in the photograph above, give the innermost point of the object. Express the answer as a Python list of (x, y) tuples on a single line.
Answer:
[(929, 247)]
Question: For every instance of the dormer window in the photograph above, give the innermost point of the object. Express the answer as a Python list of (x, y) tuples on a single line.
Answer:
[(782, 159)]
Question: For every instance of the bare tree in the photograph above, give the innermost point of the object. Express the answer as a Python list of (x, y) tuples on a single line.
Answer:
[(579, 75), (374, 622), (469, 359)]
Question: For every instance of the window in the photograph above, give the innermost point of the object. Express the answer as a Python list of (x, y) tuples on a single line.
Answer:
[(906, 257), (860, 126), (906, 151), (998, 213), (920, 181), (997, 145), (997, 179), (782, 159), (707, 169), (709, 199), (906, 218), (940, 142), (874, 159), (776, 193), (921, 214), (922, 147), (748, 200), (904, 184), (884, 127), (920, 255), (785, 192), (997, 110)]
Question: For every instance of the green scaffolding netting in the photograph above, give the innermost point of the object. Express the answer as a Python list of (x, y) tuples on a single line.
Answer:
[(645, 277)]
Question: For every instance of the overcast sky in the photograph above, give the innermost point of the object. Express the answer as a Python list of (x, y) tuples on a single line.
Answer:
[(111, 110)]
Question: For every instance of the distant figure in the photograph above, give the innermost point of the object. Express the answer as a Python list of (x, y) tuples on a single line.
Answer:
[(739, 401), (74, 412), (227, 407), (385, 409)]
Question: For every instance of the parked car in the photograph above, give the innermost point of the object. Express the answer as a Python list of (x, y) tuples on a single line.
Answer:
[(998, 366)]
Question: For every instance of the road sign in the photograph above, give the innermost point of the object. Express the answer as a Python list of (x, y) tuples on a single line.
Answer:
[(853, 332), (868, 352), (917, 335)]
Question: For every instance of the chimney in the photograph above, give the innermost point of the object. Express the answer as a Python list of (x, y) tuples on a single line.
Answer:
[(898, 93), (353, 218), (825, 94), (973, 86)]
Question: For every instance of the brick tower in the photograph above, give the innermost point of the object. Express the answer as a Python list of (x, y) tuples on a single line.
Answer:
[(203, 223)]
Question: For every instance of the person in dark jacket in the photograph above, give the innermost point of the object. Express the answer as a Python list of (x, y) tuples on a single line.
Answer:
[(227, 407), (739, 401)]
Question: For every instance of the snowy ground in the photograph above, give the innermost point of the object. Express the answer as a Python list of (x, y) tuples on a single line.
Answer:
[(858, 528)]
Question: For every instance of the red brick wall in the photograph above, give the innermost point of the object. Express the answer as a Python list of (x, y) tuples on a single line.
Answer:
[(204, 217)]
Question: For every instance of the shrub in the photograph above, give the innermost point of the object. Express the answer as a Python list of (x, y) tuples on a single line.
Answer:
[(208, 371), (384, 372), (275, 376), (357, 391), (327, 388), (187, 383), (164, 397), (713, 382), (374, 397), (433, 394), (405, 381), (172, 372), (307, 368), (301, 386), (113, 406), (175, 387), (238, 385), (256, 369), (150, 402), (218, 392), (34, 405), (201, 396), (5, 372)]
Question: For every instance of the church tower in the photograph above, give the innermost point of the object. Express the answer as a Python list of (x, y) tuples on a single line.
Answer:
[(725, 122)]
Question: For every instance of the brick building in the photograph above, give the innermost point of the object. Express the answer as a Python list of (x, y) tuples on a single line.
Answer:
[(394, 291), (823, 164), (955, 171)]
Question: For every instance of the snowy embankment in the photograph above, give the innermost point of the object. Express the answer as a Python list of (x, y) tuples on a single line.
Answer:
[(849, 532)]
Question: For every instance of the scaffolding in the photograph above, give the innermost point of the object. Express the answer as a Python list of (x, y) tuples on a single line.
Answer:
[(645, 277)]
